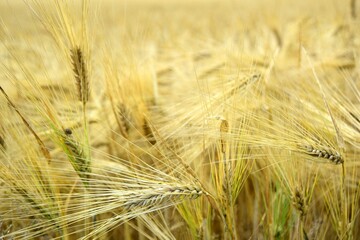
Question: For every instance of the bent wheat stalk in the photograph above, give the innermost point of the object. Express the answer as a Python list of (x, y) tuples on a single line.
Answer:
[(44, 150)]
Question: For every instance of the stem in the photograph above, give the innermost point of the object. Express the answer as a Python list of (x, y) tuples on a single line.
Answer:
[(343, 202)]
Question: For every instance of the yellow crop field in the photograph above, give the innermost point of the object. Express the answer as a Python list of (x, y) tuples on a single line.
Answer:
[(166, 119)]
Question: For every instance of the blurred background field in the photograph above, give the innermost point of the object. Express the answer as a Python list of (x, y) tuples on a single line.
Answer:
[(173, 34)]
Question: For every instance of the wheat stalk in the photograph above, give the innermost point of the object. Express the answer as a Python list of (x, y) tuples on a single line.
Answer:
[(227, 180), (43, 148)]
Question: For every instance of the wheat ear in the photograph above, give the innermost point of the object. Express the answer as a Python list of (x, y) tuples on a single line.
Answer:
[(224, 129), (353, 9), (80, 73), (122, 117), (333, 156), (299, 202), (162, 194), (78, 158)]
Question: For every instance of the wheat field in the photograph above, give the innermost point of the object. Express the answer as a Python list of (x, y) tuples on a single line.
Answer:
[(172, 119)]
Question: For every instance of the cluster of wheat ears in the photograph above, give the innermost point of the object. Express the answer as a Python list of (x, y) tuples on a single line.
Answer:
[(179, 120)]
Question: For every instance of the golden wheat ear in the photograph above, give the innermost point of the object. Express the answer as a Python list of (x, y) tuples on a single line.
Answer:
[(80, 74)]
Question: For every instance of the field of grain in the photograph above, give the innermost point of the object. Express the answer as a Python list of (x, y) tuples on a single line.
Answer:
[(161, 119)]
